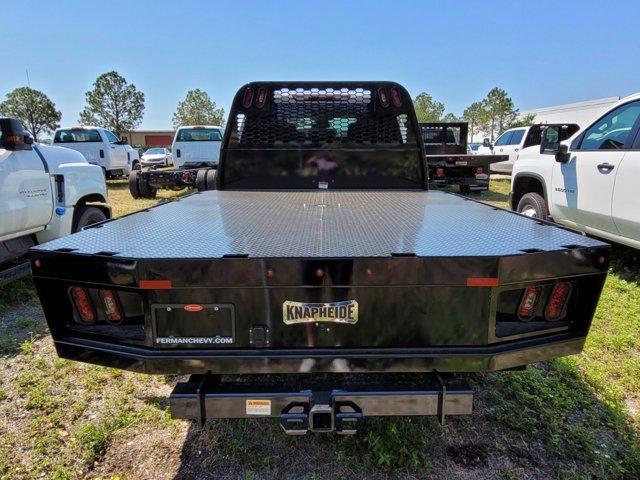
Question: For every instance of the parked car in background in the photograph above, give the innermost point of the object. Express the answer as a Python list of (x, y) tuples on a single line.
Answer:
[(157, 157), (589, 182), (45, 193), (197, 146), (99, 146)]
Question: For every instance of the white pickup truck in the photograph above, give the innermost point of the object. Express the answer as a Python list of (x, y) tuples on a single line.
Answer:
[(100, 147), (197, 146), (588, 182), (45, 193)]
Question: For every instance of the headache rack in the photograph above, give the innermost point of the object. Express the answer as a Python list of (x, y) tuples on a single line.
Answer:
[(309, 135)]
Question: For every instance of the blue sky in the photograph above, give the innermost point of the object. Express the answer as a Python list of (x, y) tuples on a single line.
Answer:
[(543, 53)]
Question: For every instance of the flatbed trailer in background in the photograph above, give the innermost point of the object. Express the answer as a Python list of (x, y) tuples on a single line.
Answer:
[(320, 282), (448, 161)]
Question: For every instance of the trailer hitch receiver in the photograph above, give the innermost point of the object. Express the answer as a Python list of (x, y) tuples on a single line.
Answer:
[(345, 418)]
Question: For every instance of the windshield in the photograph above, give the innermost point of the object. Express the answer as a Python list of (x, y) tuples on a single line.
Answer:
[(74, 135), (154, 151), (198, 134)]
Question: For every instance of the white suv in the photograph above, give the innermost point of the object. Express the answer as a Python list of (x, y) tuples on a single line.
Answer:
[(588, 182)]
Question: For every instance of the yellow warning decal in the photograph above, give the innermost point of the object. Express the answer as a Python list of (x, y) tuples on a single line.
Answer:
[(258, 407)]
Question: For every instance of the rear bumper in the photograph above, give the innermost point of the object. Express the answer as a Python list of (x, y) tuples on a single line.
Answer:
[(265, 361), (322, 403)]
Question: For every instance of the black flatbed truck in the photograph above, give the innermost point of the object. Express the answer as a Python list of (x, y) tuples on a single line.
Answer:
[(448, 163), (320, 282)]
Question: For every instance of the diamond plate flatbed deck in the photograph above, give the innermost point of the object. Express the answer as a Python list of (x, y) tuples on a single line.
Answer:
[(320, 224)]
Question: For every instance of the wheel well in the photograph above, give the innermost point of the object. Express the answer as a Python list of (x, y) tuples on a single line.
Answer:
[(93, 199), (523, 185)]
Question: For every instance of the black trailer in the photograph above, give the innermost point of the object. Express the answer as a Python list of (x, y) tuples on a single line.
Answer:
[(320, 282), (449, 162)]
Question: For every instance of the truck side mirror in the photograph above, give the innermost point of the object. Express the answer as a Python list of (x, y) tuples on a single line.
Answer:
[(562, 154), (550, 144), (13, 135)]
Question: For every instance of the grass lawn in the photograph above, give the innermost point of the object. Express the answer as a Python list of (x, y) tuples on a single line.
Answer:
[(576, 417)]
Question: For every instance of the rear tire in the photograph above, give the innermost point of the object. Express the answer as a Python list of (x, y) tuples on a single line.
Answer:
[(206, 180), (86, 216), (534, 206), (146, 190), (134, 187), (135, 166)]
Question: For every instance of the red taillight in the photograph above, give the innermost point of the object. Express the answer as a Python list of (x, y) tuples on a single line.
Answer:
[(557, 301), (248, 97), (262, 97), (479, 171), (439, 172), (395, 97), (111, 307), (384, 99), (529, 302), (83, 304), (193, 308)]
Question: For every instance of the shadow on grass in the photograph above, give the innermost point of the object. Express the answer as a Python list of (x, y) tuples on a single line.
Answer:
[(544, 422), (625, 262), (120, 184), (260, 449)]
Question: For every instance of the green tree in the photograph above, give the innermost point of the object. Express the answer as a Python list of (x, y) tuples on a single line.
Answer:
[(474, 115), (113, 103), (36, 111), (197, 109), (428, 109), (524, 121), (450, 118), (500, 112)]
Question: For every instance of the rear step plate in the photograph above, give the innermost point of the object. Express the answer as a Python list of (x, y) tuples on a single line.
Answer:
[(320, 403)]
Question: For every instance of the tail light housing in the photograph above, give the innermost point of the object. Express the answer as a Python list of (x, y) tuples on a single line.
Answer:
[(529, 302), (178, 153), (111, 307), (261, 98), (479, 171), (557, 303), (101, 153), (383, 97), (83, 305), (247, 98), (439, 172), (395, 97)]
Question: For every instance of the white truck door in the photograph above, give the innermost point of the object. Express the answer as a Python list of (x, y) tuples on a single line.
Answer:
[(117, 152), (499, 149), (515, 144), (26, 200), (626, 206), (583, 188)]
